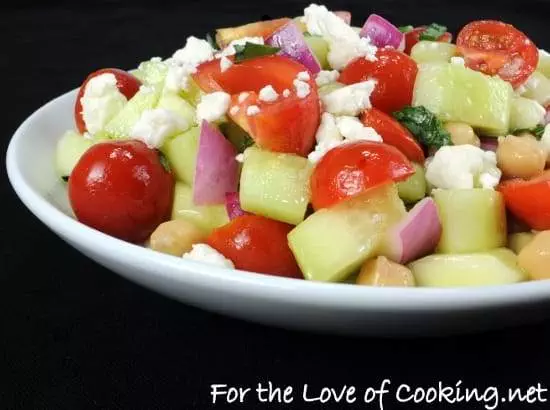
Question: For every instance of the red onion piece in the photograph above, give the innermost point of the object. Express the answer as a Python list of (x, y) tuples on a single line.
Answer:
[(233, 205), (488, 143), (291, 41), (416, 235), (381, 32), (216, 171), (344, 15)]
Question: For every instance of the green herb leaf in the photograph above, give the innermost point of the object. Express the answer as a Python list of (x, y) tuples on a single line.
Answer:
[(65, 178), (251, 50), (405, 29), (537, 131), (433, 32), (424, 125), (212, 41), (247, 142), (164, 161)]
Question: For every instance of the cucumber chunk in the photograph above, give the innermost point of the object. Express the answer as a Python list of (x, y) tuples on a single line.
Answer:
[(151, 72), (328, 88), (537, 87), (146, 98), (496, 267), (473, 220), (518, 241), (275, 185), (458, 94), (320, 49), (432, 52), (173, 102), (414, 188), (236, 135), (206, 218), (69, 149), (332, 243), (181, 153), (525, 114), (544, 63)]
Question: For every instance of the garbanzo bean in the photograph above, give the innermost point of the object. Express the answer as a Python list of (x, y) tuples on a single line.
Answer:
[(383, 272), (175, 237), (534, 258), (521, 157), (462, 134)]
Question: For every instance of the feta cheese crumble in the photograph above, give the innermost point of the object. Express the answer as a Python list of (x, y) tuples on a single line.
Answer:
[(463, 167), (240, 158), (303, 75), (252, 110), (213, 106), (344, 42), (154, 126), (268, 94), (225, 63), (302, 88), (349, 100), (286, 92), (353, 130), (230, 49), (458, 61), (234, 110), (243, 96), (101, 101), (201, 252), (325, 77)]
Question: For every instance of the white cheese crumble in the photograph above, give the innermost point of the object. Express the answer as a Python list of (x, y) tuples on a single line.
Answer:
[(101, 101), (225, 64), (286, 92), (302, 88), (154, 126), (201, 252), (303, 75), (328, 130), (325, 77), (344, 42), (457, 60), (268, 94), (349, 100), (243, 96), (230, 49), (252, 110), (234, 110), (463, 167), (240, 158), (353, 130), (213, 106)]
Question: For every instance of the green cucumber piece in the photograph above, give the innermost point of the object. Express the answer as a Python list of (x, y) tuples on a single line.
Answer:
[(537, 87), (175, 103), (456, 93), (181, 153), (240, 139), (275, 185), (151, 72), (544, 63), (328, 88), (320, 49), (525, 114), (432, 52), (69, 149), (473, 220), (414, 188), (332, 243)]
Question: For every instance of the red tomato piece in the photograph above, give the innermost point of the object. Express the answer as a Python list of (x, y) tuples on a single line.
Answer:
[(121, 189), (529, 201), (353, 168), (257, 244), (395, 73), (127, 84), (497, 48), (413, 37), (393, 133), (287, 124)]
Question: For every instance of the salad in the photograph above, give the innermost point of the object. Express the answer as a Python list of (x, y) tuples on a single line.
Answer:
[(309, 148)]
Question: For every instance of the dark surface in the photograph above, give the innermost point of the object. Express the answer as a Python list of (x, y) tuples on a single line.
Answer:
[(75, 336)]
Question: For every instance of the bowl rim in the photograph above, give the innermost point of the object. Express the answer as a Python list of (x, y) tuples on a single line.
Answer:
[(341, 295)]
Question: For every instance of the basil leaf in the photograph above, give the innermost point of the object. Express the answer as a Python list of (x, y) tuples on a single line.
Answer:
[(212, 41), (251, 50), (405, 29), (537, 131), (424, 125), (433, 32)]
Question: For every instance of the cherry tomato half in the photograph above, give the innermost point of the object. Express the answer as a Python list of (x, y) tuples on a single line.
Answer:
[(353, 168), (413, 37), (257, 244), (395, 73), (497, 48), (126, 83), (393, 133), (529, 200), (121, 189)]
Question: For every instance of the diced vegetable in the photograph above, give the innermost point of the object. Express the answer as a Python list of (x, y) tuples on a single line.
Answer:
[(473, 220), (537, 87), (151, 72), (69, 149), (206, 217), (173, 102), (233, 205), (292, 44), (518, 241), (455, 93), (181, 152), (216, 170), (382, 272), (432, 52), (328, 88), (275, 185), (526, 114), (433, 32), (488, 144), (236, 135), (496, 267), (544, 63), (333, 243), (414, 188), (381, 32), (320, 48), (416, 235), (534, 258)]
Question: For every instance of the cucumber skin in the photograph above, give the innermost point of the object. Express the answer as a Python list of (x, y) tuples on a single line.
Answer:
[(414, 188), (68, 151), (181, 153)]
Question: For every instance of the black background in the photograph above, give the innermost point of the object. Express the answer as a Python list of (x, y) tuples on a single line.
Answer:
[(76, 336)]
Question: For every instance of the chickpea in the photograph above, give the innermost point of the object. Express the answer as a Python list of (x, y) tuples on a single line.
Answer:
[(521, 157), (175, 237), (383, 272), (462, 134), (534, 258)]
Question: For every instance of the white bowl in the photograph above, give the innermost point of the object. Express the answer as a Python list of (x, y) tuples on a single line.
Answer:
[(271, 300)]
